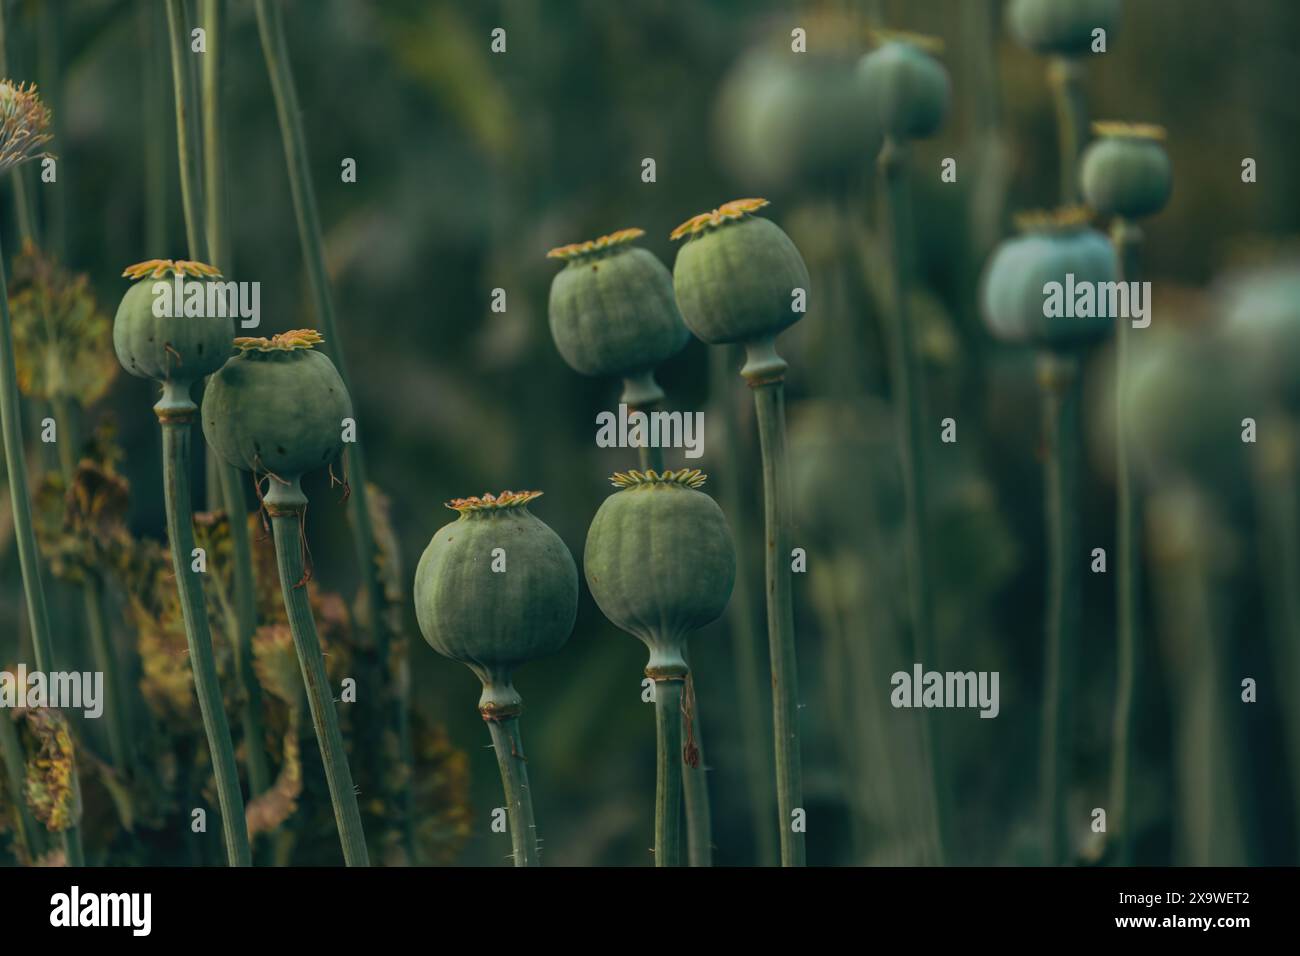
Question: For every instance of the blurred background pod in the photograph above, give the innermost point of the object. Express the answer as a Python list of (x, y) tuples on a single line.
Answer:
[(1125, 171), (1051, 247), (1063, 27), (612, 313), (909, 90)]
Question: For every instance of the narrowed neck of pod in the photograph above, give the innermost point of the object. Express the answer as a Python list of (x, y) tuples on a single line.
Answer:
[(763, 366), (641, 391), (499, 700), (175, 405), (284, 495)]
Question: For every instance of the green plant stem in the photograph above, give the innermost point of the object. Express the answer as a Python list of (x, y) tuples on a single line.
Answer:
[(276, 52), (187, 132), (908, 399), (668, 777), (1066, 77), (11, 755), (153, 102), (746, 653), (24, 535), (1127, 239), (1060, 380), (514, 779), (224, 489), (764, 371), (175, 415), (287, 506)]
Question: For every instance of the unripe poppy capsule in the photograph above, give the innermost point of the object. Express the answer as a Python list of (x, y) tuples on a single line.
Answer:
[(908, 88), (164, 328), (277, 407), (612, 311), (1061, 26), (660, 562), (1125, 172), (1058, 247), (738, 276), (495, 589)]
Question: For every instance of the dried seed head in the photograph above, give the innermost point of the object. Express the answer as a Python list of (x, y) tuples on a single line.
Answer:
[(727, 212), (581, 250), (689, 477), (24, 125), (292, 341), (507, 499), (157, 268)]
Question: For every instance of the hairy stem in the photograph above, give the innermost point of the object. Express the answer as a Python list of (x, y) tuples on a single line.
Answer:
[(909, 399), (514, 780), (276, 52), (764, 370), (1127, 534), (668, 777), (1060, 381), (176, 420), (286, 524)]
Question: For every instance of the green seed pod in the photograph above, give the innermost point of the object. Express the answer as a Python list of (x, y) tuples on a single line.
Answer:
[(909, 89), (1061, 26), (736, 277), (1053, 247), (180, 348), (1126, 171), (1261, 306), (794, 119), (277, 407), (660, 562), (493, 617), (612, 312)]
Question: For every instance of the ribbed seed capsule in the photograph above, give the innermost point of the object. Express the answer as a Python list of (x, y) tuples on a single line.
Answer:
[(179, 347), (908, 88), (1061, 26), (1125, 172)]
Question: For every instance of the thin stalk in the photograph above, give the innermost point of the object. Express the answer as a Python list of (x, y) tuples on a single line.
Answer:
[(1127, 238), (668, 779), (764, 370), (514, 779), (287, 506), (740, 613), (22, 196), (224, 486), (1060, 380), (699, 816), (1276, 477), (11, 755), (92, 594), (276, 52), (187, 132), (24, 536), (153, 111), (1066, 77), (909, 399), (175, 415)]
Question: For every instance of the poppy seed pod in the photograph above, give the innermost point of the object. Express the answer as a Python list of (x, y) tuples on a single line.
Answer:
[(1262, 320), (787, 118), (908, 88), (180, 347), (1061, 26), (660, 562), (612, 312), (277, 407), (737, 275), (494, 589), (1125, 172), (1057, 247)]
